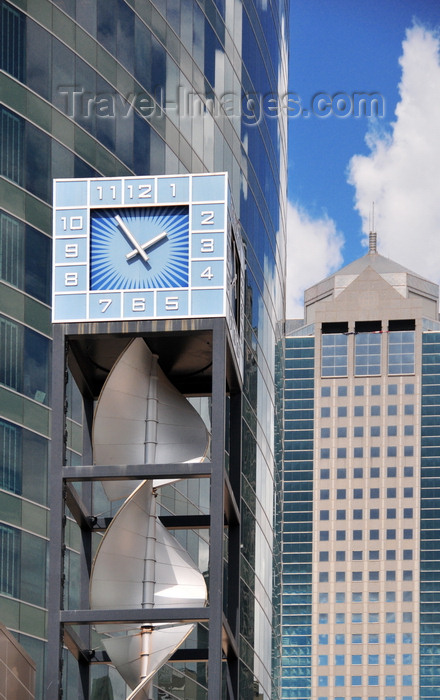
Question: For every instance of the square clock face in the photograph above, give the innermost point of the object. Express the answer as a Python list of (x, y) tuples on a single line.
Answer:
[(142, 248), (139, 248)]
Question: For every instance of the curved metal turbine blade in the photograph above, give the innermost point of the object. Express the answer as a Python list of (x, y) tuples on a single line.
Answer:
[(138, 656), (138, 563), (141, 418)]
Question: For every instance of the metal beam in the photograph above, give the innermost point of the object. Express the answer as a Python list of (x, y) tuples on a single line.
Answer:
[(186, 522), (86, 552), (189, 655), (94, 656), (56, 504), (187, 470), (84, 519), (74, 644), (77, 508), (153, 615), (229, 643), (232, 511), (217, 510), (234, 539)]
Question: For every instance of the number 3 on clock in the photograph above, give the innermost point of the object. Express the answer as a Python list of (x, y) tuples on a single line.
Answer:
[(207, 245)]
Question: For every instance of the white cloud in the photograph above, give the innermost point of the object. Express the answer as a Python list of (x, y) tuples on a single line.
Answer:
[(401, 175), (313, 252)]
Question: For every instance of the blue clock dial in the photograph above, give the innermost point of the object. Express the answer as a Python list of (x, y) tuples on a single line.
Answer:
[(139, 248)]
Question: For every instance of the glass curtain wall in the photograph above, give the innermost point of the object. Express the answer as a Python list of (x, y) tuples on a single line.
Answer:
[(429, 509), (120, 87), (299, 406)]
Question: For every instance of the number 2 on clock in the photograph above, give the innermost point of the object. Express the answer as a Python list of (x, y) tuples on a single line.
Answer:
[(207, 218)]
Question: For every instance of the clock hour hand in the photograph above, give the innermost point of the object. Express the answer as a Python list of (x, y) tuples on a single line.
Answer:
[(149, 243), (137, 248)]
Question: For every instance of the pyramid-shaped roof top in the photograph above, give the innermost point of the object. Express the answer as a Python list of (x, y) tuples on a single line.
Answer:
[(402, 279)]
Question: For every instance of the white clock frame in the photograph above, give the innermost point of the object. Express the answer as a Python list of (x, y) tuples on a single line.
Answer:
[(215, 286)]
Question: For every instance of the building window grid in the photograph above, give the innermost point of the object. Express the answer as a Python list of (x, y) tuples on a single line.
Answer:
[(401, 349), (429, 505), (297, 617), (12, 42), (9, 561), (11, 345), (25, 258), (10, 457), (367, 353), (388, 641), (11, 146), (11, 251), (334, 355), (391, 473)]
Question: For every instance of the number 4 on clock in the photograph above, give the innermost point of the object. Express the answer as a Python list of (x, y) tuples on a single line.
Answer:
[(207, 273)]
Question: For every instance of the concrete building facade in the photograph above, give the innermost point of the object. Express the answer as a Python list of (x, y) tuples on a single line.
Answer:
[(361, 567)]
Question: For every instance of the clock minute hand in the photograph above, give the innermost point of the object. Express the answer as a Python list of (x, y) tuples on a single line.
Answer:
[(149, 243), (137, 248)]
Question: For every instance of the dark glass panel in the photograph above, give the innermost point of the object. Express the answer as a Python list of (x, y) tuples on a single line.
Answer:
[(10, 457), (24, 360), (105, 109), (33, 569), (9, 561), (35, 452), (38, 264), (86, 15), (106, 25), (38, 162), (11, 146), (63, 78), (38, 59), (125, 35), (12, 41)]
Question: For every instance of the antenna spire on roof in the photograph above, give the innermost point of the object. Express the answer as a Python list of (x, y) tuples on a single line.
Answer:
[(372, 239)]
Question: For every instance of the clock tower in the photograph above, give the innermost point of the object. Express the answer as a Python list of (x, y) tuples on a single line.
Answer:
[(148, 287)]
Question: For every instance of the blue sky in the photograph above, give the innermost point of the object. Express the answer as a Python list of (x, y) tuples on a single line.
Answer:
[(350, 46)]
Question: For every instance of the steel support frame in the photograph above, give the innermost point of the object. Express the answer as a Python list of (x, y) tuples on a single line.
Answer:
[(222, 614)]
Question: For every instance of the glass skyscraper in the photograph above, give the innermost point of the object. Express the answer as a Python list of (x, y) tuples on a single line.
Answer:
[(361, 571), (119, 87)]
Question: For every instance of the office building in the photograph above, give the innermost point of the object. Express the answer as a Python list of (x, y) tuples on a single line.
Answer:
[(361, 581), (94, 88)]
